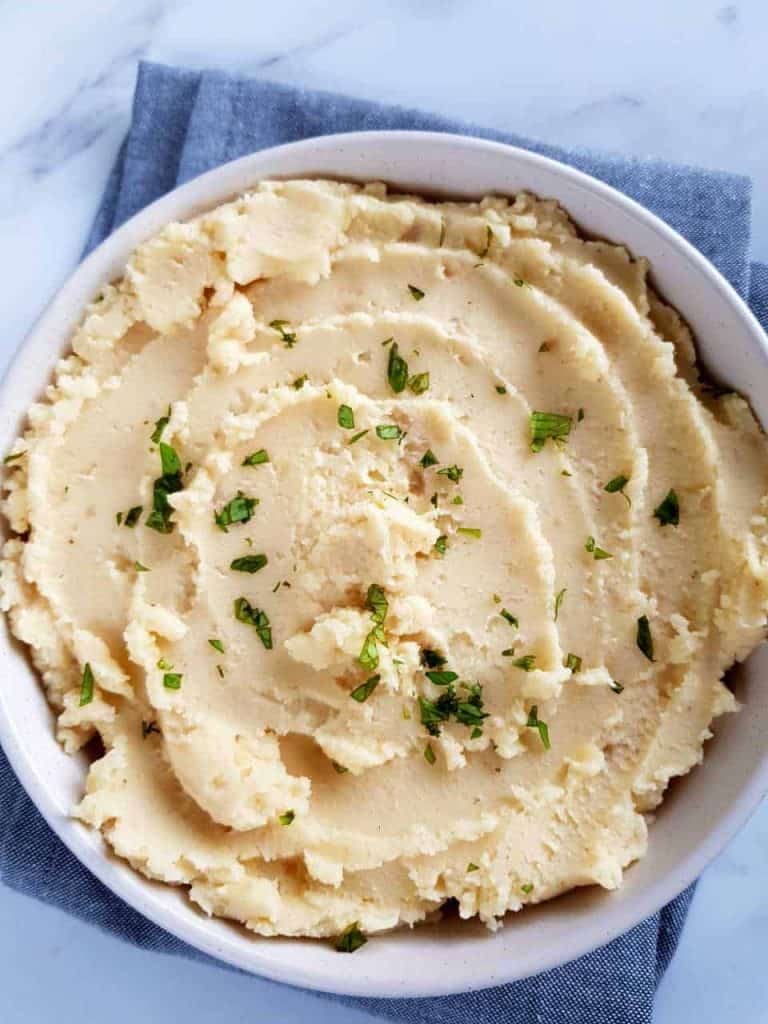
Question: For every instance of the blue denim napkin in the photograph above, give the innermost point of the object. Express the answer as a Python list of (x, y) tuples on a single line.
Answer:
[(186, 122)]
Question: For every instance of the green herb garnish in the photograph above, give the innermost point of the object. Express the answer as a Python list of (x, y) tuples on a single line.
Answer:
[(12, 458), (86, 686), (527, 888), (428, 459), (441, 545), (573, 662), (430, 658), (287, 818), (217, 645), (500, 389), (558, 602), (470, 531), (488, 239), (598, 553), (389, 432), (617, 485), (362, 692), (299, 383), (397, 370), (376, 603), (245, 612), (172, 680), (545, 425), (132, 516), (345, 418), (668, 512), (511, 619), (369, 653), (248, 563), (527, 663), (441, 678), (238, 510), (472, 867), (429, 754), (419, 383), (289, 337), (357, 436), (139, 567), (350, 939), (417, 293), (160, 426), (454, 473), (169, 483), (339, 768), (644, 638), (617, 687), (534, 722), (256, 458)]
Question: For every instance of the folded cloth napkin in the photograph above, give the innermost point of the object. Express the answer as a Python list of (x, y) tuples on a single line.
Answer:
[(186, 122)]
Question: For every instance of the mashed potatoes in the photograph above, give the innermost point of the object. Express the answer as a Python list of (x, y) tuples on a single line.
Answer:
[(393, 550)]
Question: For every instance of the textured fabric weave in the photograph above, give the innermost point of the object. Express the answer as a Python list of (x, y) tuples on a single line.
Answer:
[(186, 122)]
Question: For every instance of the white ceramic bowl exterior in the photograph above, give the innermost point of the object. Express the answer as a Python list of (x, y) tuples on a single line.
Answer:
[(701, 812)]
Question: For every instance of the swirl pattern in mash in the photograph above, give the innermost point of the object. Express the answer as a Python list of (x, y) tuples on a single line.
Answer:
[(394, 551)]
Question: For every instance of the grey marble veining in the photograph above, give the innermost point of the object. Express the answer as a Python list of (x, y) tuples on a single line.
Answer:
[(684, 80)]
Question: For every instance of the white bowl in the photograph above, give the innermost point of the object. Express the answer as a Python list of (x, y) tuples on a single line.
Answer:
[(701, 812)]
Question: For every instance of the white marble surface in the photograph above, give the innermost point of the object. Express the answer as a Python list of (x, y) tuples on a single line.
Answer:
[(684, 80)]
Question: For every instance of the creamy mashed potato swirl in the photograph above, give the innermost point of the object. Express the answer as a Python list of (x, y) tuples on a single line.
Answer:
[(394, 551)]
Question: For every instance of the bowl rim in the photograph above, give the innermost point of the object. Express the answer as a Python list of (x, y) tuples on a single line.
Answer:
[(103, 263)]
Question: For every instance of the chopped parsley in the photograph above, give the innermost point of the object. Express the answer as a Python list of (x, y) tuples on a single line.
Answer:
[(362, 692), (511, 619), (238, 510), (545, 346), (519, 282), (470, 531), (442, 233), (369, 653), (472, 867), (579, 415), (617, 485), (454, 473), (217, 645), (644, 638), (428, 459), (429, 754), (287, 818), (132, 516), (160, 426), (534, 722), (358, 435), (500, 389), (467, 710), (573, 662), (345, 418), (668, 512), (299, 383), (441, 545), (172, 680), (86, 685), (256, 458), (527, 663), (169, 483), (339, 768), (598, 553), (419, 383), (457, 500), (558, 602), (140, 568), (397, 370), (350, 939), (389, 432), (527, 888), (508, 652), (245, 612), (441, 678), (376, 603), (220, 670), (164, 665), (432, 659), (288, 336), (545, 425), (417, 293), (13, 457), (249, 563), (387, 341), (617, 687)]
